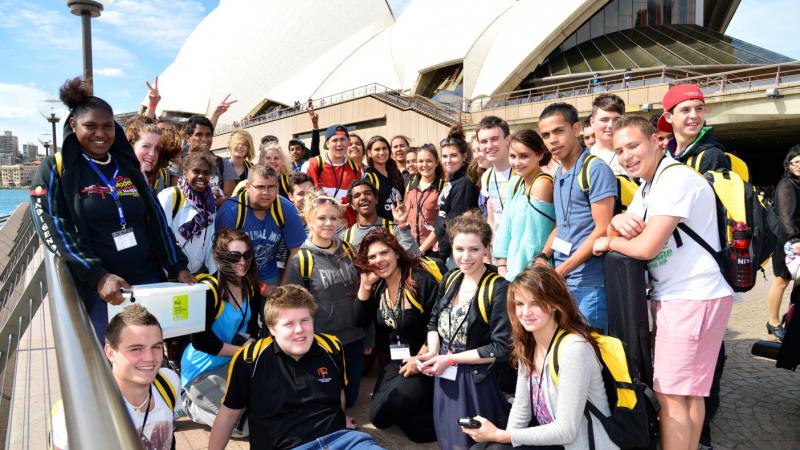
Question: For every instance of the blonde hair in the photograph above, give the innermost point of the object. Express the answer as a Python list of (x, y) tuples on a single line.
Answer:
[(286, 169), (239, 136), (313, 200)]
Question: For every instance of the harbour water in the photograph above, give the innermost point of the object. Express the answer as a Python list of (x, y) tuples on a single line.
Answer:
[(10, 198)]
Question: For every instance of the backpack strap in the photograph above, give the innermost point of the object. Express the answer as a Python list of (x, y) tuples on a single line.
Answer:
[(214, 287), (247, 164), (283, 179), (59, 163), (694, 161), (165, 389), (353, 166), (252, 351), (552, 355), (177, 200), (349, 250), (276, 210), (583, 174), (451, 280), (306, 263), (243, 202), (320, 163), (431, 267), (388, 225), (485, 292), (373, 178), (348, 234), (413, 300), (520, 182)]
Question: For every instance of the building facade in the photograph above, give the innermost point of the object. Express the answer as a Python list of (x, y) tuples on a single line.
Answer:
[(17, 175)]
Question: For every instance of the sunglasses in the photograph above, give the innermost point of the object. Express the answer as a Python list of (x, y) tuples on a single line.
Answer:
[(324, 199), (236, 256)]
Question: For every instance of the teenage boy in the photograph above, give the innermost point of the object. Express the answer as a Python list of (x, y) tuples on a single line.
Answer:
[(588, 133), (685, 116), (135, 348), (337, 171), (663, 137), (493, 139), (300, 185), (291, 383), (259, 222), (363, 198), (199, 133), (580, 218), (297, 152), (606, 110)]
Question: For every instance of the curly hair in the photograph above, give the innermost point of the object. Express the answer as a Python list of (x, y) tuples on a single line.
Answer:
[(405, 262)]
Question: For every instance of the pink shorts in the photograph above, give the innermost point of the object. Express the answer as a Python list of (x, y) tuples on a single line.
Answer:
[(688, 337)]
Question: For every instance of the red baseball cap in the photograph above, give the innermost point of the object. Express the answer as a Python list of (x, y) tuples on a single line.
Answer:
[(678, 94)]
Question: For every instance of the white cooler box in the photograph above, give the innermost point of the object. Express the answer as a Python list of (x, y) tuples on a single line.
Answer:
[(179, 308)]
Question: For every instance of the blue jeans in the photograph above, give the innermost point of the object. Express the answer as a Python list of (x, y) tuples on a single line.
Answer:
[(354, 358), (342, 440), (593, 305)]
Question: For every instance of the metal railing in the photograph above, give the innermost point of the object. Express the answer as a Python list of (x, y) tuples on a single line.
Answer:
[(773, 75), (418, 103), (95, 413)]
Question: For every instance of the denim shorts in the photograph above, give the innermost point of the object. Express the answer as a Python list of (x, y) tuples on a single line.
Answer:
[(593, 305), (341, 440)]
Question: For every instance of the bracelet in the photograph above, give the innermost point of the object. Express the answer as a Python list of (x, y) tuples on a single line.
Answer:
[(367, 287), (541, 255), (451, 362), (152, 105), (608, 243), (502, 265)]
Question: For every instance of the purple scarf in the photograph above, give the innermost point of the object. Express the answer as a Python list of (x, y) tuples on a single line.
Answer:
[(204, 204)]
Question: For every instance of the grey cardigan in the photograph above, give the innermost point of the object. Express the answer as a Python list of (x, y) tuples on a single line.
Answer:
[(579, 379)]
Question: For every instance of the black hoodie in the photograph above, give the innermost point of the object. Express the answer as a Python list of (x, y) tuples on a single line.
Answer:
[(714, 157), (458, 196), (61, 222)]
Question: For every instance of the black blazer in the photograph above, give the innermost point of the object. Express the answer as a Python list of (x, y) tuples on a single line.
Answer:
[(492, 340)]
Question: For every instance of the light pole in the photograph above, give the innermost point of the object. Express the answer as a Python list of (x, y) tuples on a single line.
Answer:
[(45, 139), (49, 109), (86, 9)]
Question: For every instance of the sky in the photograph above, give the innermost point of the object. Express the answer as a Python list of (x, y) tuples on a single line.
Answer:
[(134, 40)]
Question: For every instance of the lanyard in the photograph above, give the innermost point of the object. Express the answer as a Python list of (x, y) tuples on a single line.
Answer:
[(453, 333), (499, 193), (568, 208), (340, 177), (146, 411), (541, 372), (112, 187), (420, 202)]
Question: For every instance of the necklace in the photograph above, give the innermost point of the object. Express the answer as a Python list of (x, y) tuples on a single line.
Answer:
[(103, 163), (325, 248), (145, 403)]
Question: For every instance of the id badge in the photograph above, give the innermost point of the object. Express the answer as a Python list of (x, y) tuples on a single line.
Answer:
[(124, 239), (399, 352), (449, 373), (562, 246)]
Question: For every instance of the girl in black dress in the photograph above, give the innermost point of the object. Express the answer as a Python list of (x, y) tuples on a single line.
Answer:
[(398, 295)]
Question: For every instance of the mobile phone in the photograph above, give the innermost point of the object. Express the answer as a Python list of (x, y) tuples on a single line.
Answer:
[(469, 422)]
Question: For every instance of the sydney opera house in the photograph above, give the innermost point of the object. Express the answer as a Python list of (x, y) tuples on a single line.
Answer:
[(447, 61)]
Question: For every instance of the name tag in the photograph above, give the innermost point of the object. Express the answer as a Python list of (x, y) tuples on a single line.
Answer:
[(124, 239), (399, 352), (449, 373), (562, 246)]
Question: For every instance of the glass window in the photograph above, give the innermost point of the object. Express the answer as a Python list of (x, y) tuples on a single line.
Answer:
[(597, 62)]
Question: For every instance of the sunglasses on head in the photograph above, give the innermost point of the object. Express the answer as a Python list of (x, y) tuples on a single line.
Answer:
[(324, 199), (236, 256)]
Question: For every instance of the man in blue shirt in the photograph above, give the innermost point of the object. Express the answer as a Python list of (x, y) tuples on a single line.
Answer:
[(266, 217), (580, 218)]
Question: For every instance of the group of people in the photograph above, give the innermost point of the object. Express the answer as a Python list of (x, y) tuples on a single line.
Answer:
[(452, 267)]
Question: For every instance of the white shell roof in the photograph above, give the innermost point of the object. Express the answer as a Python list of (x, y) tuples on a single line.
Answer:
[(292, 51)]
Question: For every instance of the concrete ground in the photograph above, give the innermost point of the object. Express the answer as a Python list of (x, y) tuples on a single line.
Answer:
[(760, 404)]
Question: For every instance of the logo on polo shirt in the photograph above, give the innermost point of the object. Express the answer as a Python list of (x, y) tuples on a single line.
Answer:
[(323, 375)]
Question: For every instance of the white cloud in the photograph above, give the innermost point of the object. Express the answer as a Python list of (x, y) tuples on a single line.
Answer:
[(162, 24), (112, 72), (20, 112)]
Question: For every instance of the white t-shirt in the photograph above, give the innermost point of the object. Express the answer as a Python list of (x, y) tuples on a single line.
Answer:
[(158, 429), (687, 272), (610, 158), (494, 189)]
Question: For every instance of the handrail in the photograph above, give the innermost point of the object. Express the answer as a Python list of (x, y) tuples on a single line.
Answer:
[(96, 416)]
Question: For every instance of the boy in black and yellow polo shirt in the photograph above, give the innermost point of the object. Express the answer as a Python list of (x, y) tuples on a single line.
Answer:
[(292, 383)]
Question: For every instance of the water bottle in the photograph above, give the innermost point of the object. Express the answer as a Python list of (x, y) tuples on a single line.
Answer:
[(740, 264)]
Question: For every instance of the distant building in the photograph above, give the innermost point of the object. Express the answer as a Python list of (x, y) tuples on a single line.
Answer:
[(10, 158), (17, 175), (9, 143), (30, 152)]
